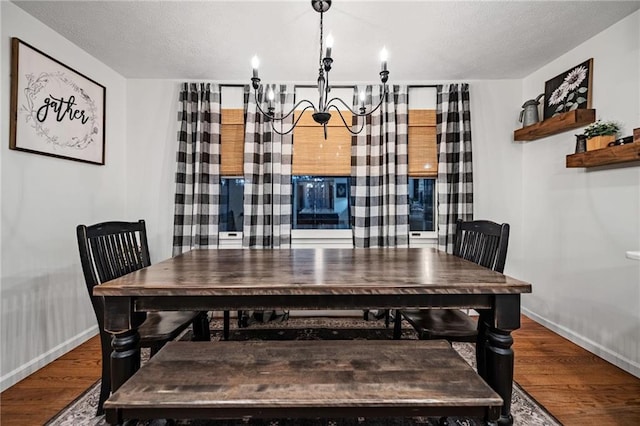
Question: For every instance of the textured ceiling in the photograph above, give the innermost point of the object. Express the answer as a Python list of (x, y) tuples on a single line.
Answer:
[(426, 40)]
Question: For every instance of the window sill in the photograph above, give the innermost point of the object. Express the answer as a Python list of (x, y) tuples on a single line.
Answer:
[(328, 238), (318, 234)]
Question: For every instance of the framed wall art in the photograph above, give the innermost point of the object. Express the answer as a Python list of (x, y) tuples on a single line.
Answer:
[(55, 110), (569, 91)]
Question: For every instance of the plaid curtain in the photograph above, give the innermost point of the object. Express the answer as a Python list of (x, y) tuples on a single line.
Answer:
[(379, 169), (195, 223), (267, 172), (455, 172)]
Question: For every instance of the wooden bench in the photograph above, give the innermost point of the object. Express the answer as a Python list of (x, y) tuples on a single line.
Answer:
[(304, 379)]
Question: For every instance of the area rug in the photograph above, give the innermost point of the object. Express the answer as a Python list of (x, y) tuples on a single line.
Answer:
[(525, 410)]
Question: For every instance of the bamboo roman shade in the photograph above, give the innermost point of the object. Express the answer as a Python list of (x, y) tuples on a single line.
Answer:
[(312, 155), (232, 142), (423, 158)]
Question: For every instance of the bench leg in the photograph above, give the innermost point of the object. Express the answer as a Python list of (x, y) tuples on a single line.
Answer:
[(499, 369), (113, 417)]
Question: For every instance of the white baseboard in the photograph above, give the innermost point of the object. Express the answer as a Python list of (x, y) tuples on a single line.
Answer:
[(13, 377), (614, 358)]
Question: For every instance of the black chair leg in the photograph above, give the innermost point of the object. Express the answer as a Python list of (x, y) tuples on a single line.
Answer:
[(243, 319), (105, 386), (200, 326), (397, 325), (225, 325), (481, 344)]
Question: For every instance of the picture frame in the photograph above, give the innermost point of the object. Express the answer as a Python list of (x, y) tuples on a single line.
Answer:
[(569, 91), (55, 110), (341, 190)]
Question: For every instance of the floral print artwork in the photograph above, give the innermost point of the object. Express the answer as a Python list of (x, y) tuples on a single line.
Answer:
[(568, 91)]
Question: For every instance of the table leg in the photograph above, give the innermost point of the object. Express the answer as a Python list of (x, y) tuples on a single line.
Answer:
[(125, 358), (122, 323), (499, 369)]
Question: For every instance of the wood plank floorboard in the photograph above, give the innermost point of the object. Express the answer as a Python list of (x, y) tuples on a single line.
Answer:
[(44, 393), (576, 386)]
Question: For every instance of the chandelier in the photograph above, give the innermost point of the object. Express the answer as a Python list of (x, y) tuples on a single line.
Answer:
[(321, 112)]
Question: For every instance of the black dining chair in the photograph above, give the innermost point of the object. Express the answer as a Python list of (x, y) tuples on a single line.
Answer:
[(479, 241), (110, 250)]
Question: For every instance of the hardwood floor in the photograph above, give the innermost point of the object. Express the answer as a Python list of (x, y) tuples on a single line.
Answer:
[(574, 385), (40, 396), (577, 387)]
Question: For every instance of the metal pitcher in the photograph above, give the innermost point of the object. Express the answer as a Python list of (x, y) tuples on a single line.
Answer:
[(529, 113)]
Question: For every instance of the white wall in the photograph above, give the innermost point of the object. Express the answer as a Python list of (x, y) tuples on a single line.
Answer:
[(578, 223), (151, 157), (45, 305), (497, 161)]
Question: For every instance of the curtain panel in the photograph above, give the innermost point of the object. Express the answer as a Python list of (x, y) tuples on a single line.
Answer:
[(455, 171), (197, 192), (267, 171), (379, 170)]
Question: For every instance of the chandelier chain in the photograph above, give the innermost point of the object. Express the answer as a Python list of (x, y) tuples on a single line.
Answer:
[(321, 36)]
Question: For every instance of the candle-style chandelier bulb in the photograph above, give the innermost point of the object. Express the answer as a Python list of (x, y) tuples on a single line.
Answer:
[(255, 80), (329, 46)]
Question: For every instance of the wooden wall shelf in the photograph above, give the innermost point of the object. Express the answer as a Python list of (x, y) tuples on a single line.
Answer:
[(557, 124), (610, 155)]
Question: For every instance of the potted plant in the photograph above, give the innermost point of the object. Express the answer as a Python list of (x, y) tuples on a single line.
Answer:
[(600, 133)]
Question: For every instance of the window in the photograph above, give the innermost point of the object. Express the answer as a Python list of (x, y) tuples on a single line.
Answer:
[(231, 159), (320, 202), (422, 204), (423, 162), (321, 167), (231, 204)]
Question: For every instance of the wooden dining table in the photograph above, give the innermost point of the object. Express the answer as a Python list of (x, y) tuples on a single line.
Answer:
[(383, 278)]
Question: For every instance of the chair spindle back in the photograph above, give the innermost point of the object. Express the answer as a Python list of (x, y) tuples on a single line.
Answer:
[(482, 242), (108, 251)]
